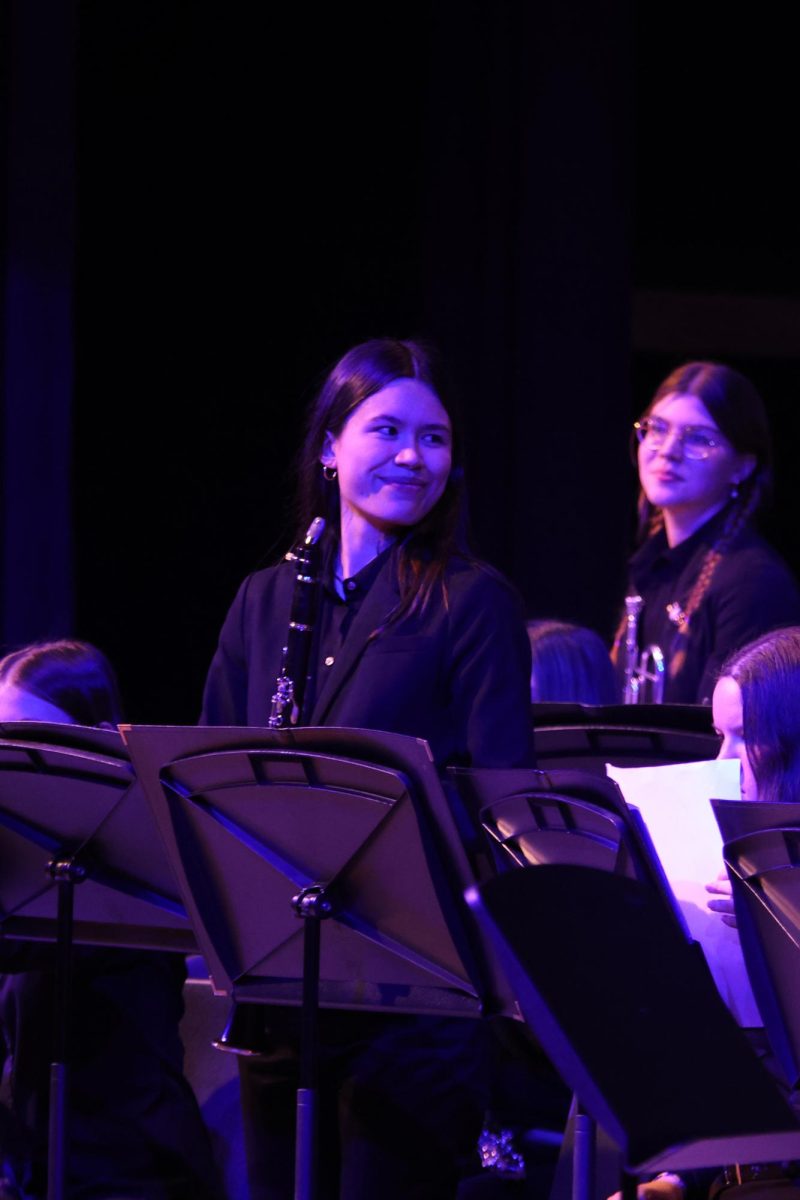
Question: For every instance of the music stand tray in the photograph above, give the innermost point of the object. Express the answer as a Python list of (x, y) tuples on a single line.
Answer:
[(341, 826), (250, 817), (67, 792)]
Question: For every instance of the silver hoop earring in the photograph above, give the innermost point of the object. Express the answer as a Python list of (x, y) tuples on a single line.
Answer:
[(735, 490), (329, 473)]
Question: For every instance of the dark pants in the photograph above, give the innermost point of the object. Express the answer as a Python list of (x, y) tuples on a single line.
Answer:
[(401, 1101), (135, 1129)]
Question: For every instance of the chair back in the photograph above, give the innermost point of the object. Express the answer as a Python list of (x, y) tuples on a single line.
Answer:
[(567, 817), (589, 736), (765, 872)]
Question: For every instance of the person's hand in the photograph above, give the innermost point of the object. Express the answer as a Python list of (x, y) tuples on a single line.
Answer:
[(723, 901), (663, 1187)]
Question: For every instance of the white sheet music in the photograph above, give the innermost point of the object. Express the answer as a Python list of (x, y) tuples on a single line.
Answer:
[(674, 802)]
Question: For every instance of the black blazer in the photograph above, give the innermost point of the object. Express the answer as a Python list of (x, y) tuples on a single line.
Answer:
[(458, 675)]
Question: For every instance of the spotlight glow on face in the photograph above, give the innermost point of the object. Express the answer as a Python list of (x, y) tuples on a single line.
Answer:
[(726, 706), (393, 457)]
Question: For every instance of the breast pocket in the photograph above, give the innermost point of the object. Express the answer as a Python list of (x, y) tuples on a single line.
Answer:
[(399, 683)]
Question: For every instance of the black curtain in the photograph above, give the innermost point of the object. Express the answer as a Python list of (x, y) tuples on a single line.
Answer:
[(258, 191), (37, 346), (530, 172)]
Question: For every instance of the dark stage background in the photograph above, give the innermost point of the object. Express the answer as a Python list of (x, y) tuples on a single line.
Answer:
[(205, 205)]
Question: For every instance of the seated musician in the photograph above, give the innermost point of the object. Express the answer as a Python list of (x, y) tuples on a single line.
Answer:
[(708, 581), (570, 663), (135, 1129), (756, 710), (413, 635), (756, 707)]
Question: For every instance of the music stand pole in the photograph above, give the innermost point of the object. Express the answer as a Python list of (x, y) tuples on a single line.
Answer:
[(66, 873), (583, 1156), (313, 906)]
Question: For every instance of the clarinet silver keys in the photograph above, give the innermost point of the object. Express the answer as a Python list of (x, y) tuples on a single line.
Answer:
[(287, 702)]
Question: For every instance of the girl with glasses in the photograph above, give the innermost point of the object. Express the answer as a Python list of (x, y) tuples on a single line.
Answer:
[(708, 581)]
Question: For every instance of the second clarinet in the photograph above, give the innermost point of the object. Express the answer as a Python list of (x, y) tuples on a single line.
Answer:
[(287, 702), (645, 673)]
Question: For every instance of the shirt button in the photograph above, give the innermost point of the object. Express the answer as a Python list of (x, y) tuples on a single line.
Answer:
[(329, 661), (351, 585)]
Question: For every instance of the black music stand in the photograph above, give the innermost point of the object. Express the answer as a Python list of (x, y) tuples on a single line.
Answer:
[(71, 813), (561, 816), (631, 1019), (763, 867), (736, 818), (349, 826), (575, 818), (586, 737)]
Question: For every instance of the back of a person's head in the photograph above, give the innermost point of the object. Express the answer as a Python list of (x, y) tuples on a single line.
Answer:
[(570, 663), (74, 676)]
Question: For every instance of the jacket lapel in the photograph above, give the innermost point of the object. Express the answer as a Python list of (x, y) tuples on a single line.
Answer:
[(375, 607)]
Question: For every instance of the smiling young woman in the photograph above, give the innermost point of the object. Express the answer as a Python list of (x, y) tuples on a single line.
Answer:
[(414, 636), (393, 457), (709, 582)]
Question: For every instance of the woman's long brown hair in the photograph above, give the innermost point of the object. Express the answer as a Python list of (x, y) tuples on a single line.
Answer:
[(425, 548)]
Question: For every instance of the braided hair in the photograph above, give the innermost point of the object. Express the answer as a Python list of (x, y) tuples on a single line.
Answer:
[(738, 410), (738, 518)]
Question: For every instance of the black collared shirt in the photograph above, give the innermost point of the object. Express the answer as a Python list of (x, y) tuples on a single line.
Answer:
[(752, 591), (335, 618)]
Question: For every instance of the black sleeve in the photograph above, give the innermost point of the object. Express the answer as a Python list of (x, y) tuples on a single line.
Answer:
[(491, 671), (755, 594)]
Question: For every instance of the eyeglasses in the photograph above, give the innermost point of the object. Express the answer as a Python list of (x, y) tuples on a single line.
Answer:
[(697, 441)]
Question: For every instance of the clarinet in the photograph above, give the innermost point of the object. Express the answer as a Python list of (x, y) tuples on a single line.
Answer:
[(645, 673), (287, 702)]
